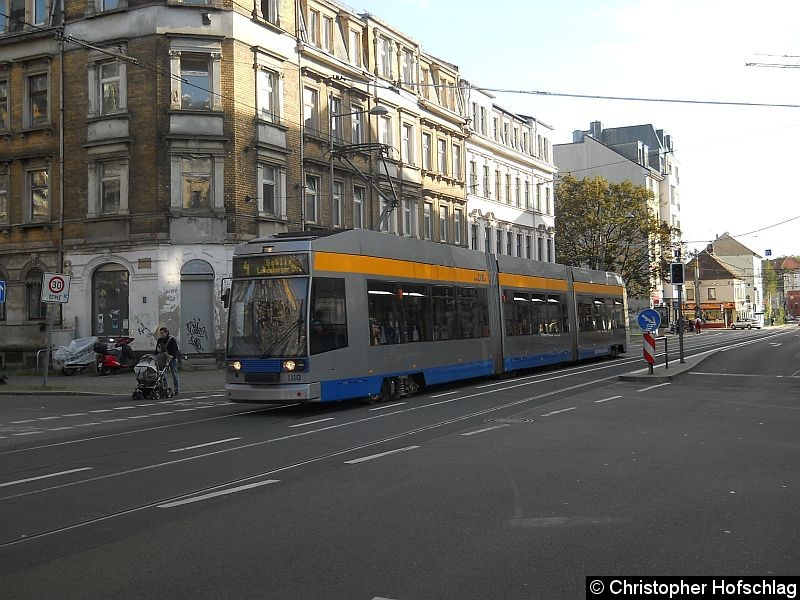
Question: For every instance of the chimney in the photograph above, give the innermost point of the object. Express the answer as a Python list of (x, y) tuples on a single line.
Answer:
[(596, 129), (577, 136)]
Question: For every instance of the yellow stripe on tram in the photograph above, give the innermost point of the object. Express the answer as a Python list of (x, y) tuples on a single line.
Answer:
[(392, 267), (598, 288), (529, 282)]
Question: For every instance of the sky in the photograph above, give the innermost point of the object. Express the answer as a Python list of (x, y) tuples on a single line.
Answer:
[(737, 163)]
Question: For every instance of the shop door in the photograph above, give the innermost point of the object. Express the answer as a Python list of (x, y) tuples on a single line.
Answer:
[(197, 310)]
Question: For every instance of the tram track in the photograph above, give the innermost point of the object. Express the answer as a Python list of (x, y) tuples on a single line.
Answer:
[(242, 482)]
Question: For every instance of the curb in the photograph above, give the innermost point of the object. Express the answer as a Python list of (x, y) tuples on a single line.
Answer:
[(660, 374)]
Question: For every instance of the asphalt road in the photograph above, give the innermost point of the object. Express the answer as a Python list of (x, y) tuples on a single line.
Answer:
[(514, 488)]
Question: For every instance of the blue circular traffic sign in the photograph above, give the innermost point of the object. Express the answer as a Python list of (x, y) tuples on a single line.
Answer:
[(649, 320)]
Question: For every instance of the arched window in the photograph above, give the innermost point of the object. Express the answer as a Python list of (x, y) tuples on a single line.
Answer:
[(110, 300)]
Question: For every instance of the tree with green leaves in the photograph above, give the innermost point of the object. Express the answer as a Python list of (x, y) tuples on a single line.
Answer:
[(612, 227)]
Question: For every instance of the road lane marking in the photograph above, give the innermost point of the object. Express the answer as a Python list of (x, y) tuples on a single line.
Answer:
[(485, 429), (446, 394), (206, 444), (27, 433), (652, 387), (18, 481), (555, 412), (241, 488), (76, 415), (25, 421), (607, 399), (312, 422), (100, 411), (388, 406), (382, 454)]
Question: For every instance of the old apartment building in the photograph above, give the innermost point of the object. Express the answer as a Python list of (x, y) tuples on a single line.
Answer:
[(140, 141)]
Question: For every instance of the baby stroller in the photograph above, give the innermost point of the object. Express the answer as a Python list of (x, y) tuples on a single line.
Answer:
[(151, 377)]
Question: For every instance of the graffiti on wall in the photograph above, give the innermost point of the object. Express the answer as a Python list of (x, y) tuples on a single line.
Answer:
[(196, 333)]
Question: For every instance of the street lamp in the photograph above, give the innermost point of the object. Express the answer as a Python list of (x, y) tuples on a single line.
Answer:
[(377, 110)]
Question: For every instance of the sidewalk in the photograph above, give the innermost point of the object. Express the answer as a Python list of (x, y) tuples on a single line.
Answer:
[(663, 373), (122, 384)]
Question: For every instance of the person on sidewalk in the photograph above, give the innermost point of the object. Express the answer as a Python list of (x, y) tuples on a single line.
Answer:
[(697, 325), (170, 345)]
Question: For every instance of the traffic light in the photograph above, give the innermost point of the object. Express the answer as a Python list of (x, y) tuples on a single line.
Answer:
[(676, 273)]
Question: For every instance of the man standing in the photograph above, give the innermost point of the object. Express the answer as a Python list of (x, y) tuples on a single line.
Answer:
[(170, 345)]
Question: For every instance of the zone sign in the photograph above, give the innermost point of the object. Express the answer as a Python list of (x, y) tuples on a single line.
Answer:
[(55, 287)]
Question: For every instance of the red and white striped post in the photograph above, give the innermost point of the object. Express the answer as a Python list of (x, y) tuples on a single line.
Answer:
[(649, 347)]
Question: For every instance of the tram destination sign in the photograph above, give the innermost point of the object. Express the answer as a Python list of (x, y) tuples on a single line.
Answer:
[(272, 265)]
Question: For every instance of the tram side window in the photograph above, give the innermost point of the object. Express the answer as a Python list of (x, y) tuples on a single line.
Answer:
[(384, 313), (555, 323), (562, 300), (416, 307), (617, 315), (539, 313), (585, 314), (602, 317), (328, 315), (517, 310), (445, 319), (473, 312)]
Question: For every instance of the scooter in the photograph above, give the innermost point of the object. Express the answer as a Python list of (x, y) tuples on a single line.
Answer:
[(114, 355)]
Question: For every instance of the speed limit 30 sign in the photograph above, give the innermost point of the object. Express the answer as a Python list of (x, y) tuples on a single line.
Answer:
[(55, 287)]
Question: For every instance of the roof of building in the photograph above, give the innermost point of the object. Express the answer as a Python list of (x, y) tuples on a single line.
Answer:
[(709, 268), (725, 245)]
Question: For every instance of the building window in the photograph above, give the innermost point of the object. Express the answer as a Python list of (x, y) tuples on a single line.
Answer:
[(337, 200), (473, 236), (37, 310), (410, 217), (539, 197), (357, 123), (408, 68), (427, 221), (195, 82), (547, 199), (268, 96), (17, 19), (311, 109), (313, 27), (39, 12), (508, 188), (442, 156), (498, 185), (509, 243), (426, 151), (38, 106), (3, 194), (38, 196), (385, 130), (327, 34), (196, 183), (106, 5), (4, 119), (407, 144), (528, 195), (109, 81), (269, 190), (712, 293), (269, 10), (355, 48), (518, 192), (337, 120), (499, 241), (486, 183), (549, 250), (390, 221), (539, 248), (458, 225), (312, 198), (110, 177), (519, 244), (359, 194), (385, 57), (473, 177), (528, 246), (444, 217), (456, 161), (483, 120), (487, 240)]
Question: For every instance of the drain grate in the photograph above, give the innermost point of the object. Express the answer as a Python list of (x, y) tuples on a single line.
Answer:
[(510, 420)]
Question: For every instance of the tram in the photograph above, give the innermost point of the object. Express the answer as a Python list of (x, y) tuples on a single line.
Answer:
[(330, 316)]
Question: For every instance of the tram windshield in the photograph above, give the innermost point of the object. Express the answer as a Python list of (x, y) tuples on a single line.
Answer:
[(268, 318)]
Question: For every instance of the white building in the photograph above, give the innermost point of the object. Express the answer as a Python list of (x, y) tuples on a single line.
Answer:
[(510, 172)]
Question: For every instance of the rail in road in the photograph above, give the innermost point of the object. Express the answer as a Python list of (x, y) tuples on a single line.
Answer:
[(181, 462)]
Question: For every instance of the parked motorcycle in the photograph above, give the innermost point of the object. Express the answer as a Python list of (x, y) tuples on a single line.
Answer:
[(114, 355)]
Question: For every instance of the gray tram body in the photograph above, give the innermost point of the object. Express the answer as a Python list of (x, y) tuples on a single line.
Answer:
[(448, 309)]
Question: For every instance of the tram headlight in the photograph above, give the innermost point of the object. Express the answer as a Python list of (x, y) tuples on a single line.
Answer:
[(234, 366), (293, 365)]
